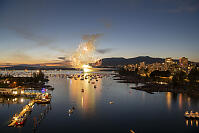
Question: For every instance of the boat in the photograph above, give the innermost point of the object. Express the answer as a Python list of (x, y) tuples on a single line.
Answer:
[(70, 111), (20, 121), (196, 115), (186, 114), (111, 102), (43, 101), (192, 115)]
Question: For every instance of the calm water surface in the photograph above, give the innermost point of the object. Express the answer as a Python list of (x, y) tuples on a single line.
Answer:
[(132, 109)]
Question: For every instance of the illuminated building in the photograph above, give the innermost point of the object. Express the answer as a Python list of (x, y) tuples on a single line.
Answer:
[(142, 65), (169, 61), (183, 62)]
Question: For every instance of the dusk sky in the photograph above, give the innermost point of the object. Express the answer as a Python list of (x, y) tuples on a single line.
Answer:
[(40, 31)]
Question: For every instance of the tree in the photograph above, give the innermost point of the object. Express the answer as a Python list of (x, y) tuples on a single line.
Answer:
[(193, 75), (178, 78), (39, 77), (158, 73)]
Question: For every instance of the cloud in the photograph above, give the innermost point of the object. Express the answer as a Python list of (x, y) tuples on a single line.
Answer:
[(29, 35), (107, 23), (21, 55), (39, 40), (188, 8), (103, 51), (62, 58), (92, 37), (178, 6)]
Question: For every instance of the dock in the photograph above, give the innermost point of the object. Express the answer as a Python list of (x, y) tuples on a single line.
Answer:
[(22, 113), (29, 106)]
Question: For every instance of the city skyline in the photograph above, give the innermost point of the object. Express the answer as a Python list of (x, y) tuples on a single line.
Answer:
[(35, 32)]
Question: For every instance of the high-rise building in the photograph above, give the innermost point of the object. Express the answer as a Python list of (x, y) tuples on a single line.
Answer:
[(142, 65), (169, 61), (183, 62)]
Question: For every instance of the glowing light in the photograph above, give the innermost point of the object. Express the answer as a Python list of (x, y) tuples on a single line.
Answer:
[(85, 53), (85, 48), (180, 100), (22, 100), (22, 92), (86, 68), (168, 99), (82, 102), (187, 122), (14, 92)]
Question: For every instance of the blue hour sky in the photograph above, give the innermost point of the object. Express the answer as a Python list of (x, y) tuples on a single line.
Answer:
[(39, 31)]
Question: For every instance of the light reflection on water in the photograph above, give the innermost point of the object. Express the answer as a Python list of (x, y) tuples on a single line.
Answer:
[(85, 100), (132, 109)]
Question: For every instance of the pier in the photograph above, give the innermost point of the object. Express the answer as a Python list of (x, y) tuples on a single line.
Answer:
[(40, 99), (22, 113)]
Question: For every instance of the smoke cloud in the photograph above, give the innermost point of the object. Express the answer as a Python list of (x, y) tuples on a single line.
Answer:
[(85, 53), (91, 37)]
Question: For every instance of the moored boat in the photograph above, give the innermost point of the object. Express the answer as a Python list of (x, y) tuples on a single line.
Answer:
[(192, 115), (20, 121), (70, 111), (196, 115), (186, 114), (43, 101)]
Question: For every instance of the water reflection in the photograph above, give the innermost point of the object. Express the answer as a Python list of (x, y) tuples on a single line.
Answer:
[(12, 100), (189, 101), (191, 123), (168, 99), (86, 100), (180, 101)]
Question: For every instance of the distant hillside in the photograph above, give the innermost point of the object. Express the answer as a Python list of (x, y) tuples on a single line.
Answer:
[(106, 62), (29, 67), (136, 60)]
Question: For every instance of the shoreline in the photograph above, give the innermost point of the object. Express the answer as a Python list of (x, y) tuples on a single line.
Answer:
[(152, 88)]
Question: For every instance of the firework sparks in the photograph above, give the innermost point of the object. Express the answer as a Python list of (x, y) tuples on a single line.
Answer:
[(86, 68), (85, 53)]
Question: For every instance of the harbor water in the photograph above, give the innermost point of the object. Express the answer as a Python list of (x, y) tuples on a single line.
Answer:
[(110, 107)]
